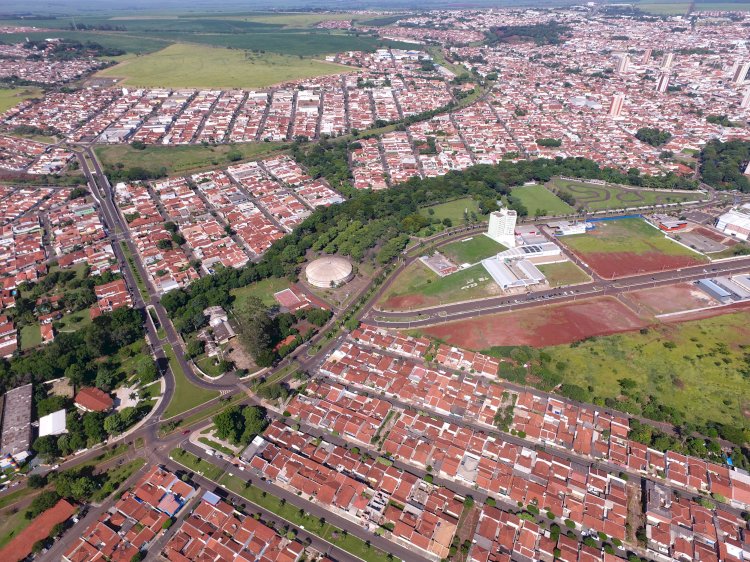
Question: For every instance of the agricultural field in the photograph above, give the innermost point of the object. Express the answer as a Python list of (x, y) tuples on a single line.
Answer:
[(666, 8), (629, 246), (697, 362), (453, 210), (540, 201), (563, 273), (595, 197), (182, 65), (728, 6), (471, 250), (127, 42), (10, 97), (172, 160), (419, 287)]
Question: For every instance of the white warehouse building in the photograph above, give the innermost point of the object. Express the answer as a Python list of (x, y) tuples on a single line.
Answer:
[(736, 222)]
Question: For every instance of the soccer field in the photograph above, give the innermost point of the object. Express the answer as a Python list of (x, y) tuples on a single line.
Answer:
[(192, 66)]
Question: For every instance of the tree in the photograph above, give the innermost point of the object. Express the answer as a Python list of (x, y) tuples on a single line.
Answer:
[(46, 447), (653, 136), (36, 481), (93, 427), (114, 424)]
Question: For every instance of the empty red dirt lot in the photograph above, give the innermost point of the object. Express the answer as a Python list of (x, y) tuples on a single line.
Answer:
[(541, 326)]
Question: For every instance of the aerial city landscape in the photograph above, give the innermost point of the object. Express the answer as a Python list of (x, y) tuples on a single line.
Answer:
[(374, 282)]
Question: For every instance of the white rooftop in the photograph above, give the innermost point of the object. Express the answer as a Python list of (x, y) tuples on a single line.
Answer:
[(52, 424)]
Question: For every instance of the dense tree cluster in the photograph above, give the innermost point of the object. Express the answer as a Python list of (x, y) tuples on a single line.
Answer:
[(653, 136), (722, 164), (550, 33), (239, 424), (548, 142)]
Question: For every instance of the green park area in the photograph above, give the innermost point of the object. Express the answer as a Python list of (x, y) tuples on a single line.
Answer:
[(563, 273), (418, 286), (317, 526), (186, 395), (10, 97), (263, 290), (196, 464), (539, 201), (596, 197), (182, 65), (456, 210), (626, 235), (471, 250), (173, 160), (699, 362), (665, 8)]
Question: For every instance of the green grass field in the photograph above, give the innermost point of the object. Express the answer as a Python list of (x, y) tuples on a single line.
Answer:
[(595, 197), (541, 202), (472, 250), (699, 370), (264, 290), (196, 464), (31, 336), (314, 525), (625, 235), (182, 66), (665, 8), (417, 286), (563, 273), (186, 395), (10, 97), (453, 210), (176, 160), (74, 321), (130, 43), (727, 6)]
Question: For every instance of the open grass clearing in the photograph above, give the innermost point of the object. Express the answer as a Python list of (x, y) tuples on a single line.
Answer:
[(291, 513), (596, 197), (10, 97), (630, 235), (128, 42), (264, 290), (31, 336), (563, 273), (418, 287), (703, 367), (11, 524), (186, 395), (666, 8), (74, 321), (115, 476), (175, 160), (453, 210), (216, 446), (472, 250), (193, 66), (206, 413), (196, 464), (540, 201)]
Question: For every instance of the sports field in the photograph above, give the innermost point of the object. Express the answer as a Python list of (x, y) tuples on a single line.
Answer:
[(419, 287), (540, 201), (594, 197), (563, 273), (628, 247), (453, 210), (10, 97), (180, 159), (471, 250), (186, 66)]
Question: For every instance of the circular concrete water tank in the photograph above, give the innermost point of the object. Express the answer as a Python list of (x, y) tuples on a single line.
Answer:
[(328, 271)]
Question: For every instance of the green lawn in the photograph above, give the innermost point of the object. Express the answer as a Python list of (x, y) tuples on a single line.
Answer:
[(115, 477), (453, 210), (192, 66), (208, 365), (217, 446), (31, 336), (127, 42), (196, 464), (74, 321), (142, 288), (726, 6), (667, 8), (11, 524), (285, 510), (417, 286), (563, 273), (176, 160), (186, 395), (16, 495), (625, 235), (472, 250), (541, 202), (264, 290), (206, 413), (704, 367), (596, 197), (10, 97)]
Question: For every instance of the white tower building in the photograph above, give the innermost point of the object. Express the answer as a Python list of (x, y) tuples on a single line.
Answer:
[(502, 227)]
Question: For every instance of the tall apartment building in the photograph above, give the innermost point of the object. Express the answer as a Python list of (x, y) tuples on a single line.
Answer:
[(502, 227)]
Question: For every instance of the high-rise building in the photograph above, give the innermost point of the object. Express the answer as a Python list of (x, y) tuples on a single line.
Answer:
[(745, 99), (617, 102), (741, 73), (502, 228), (666, 62), (646, 56), (623, 63), (663, 83)]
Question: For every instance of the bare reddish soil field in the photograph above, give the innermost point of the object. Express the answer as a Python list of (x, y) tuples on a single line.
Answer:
[(611, 266), (406, 302), (672, 298), (541, 326), (712, 234)]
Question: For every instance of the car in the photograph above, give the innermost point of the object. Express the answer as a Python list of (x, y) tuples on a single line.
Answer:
[(186, 432)]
